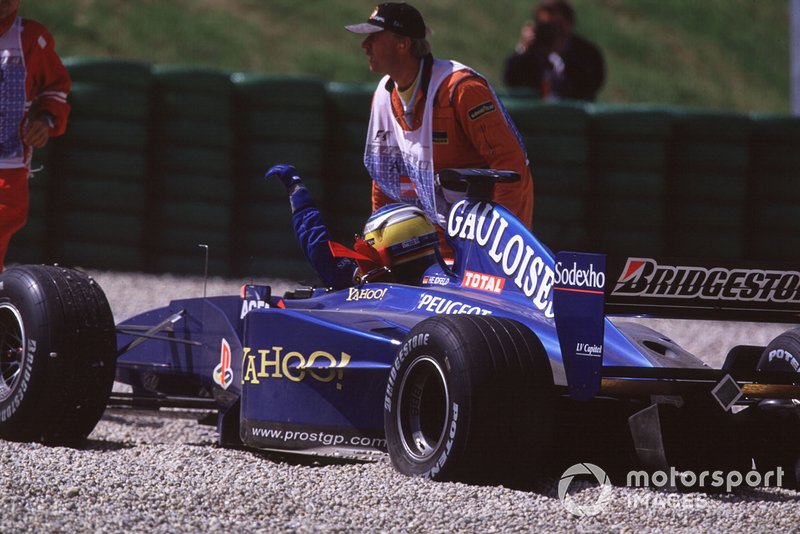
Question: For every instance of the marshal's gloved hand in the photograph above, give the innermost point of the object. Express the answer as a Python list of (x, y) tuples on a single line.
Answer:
[(287, 174)]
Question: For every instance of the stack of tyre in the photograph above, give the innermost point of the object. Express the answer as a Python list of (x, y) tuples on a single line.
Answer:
[(708, 168), (627, 161), (774, 194), (98, 175), (192, 168), (279, 119), (555, 138), (349, 203), (32, 243)]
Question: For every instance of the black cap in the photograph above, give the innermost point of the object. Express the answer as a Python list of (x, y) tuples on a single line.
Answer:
[(400, 18)]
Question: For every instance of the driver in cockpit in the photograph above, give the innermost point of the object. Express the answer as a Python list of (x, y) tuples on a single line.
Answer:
[(399, 242)]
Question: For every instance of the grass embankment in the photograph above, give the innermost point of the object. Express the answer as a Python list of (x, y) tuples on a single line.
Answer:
[(721, 54)]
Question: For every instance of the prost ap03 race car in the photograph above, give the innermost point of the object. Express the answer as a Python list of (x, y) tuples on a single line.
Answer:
[(494, 367)]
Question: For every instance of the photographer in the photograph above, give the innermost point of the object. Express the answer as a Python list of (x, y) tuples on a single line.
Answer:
[(552, 60)]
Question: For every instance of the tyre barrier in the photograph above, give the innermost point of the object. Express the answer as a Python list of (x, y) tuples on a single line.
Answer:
[(186, 147)]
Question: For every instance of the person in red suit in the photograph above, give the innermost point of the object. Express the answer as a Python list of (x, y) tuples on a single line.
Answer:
[(33, 107)]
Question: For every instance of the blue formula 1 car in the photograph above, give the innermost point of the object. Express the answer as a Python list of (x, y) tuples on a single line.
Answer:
[(493, 367)]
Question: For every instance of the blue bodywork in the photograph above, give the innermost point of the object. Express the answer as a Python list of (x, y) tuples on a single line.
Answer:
[(310, 374)]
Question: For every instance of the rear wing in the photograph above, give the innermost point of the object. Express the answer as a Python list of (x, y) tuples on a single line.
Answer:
[(689, 289), (589, 286)]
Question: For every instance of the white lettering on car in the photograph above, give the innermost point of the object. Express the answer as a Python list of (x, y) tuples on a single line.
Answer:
[(518, 260)]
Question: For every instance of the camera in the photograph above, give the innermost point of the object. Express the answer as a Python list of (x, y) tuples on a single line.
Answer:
[(546, 33)]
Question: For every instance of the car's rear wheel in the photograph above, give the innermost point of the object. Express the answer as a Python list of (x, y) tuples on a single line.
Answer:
[(778, 438), (57, 354), (469, 398), (782, 354)]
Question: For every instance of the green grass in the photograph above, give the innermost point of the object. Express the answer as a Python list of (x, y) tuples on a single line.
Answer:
[(721, 54)]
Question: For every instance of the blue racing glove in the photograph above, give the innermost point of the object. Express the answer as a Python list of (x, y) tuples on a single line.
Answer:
[(287, 174)]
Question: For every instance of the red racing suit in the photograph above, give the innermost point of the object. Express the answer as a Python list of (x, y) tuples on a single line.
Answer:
[(470, 130), (33, 84)]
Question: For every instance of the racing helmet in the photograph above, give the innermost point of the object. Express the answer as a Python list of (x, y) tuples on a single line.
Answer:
[(404, 238)]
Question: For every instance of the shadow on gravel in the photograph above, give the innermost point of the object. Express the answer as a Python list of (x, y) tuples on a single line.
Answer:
[(106, 446), (549, 487), (306, 460), (124, 421)]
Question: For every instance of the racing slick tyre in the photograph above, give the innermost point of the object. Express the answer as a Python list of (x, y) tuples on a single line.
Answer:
[(782, 353), (778, 438), (57, 354), (470, 398)]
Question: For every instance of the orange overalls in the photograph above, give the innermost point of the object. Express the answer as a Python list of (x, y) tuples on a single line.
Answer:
[(469, 131)]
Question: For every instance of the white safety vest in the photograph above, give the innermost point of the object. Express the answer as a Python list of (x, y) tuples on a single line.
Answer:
[(12, 97), (400, 161)]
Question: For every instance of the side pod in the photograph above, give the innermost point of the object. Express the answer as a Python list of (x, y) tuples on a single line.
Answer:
[(309, 382)]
